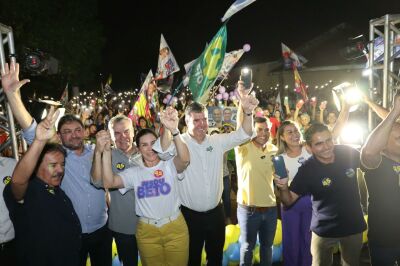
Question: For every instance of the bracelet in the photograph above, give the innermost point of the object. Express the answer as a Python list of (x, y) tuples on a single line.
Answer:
[(176, 134)]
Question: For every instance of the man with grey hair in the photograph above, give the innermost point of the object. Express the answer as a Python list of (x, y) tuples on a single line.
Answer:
[(122, 216)]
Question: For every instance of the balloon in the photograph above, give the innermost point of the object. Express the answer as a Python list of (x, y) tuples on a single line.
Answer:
[(233, 252), (278, 233), (116, 262), (231, 93), (336, 249), (225, 260), (232, 98), (221, 89), (246, 47), (218, 97), (276, 253), (114, 249), (165, 101), (168, 96), (256, 254), (203, 257), (225, 96)]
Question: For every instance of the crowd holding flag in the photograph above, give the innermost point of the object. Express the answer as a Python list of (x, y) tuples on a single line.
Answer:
[(236, 7), (206, 68), (64, 96), (167, 64), (299, 85), (145, 97), (230, 61)]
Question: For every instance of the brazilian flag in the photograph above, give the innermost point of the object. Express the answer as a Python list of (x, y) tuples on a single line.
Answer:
[(206, 68)]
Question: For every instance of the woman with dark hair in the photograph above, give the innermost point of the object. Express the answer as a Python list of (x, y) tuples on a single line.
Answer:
[(142, 123), (162, 234), (296, 219)]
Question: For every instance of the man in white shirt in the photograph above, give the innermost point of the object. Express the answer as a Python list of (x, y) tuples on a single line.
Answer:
[(200, 185), (7, 243)]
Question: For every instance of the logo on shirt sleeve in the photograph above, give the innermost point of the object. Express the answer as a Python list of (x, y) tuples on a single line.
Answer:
[(326, 182), (350, 173), (6, 180), (301, 160), (120, 166)]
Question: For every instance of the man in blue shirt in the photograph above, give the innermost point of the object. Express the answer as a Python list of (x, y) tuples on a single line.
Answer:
[(330, 177)]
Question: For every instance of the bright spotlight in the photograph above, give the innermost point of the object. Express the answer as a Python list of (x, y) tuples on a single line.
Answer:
[(352, 134), (366, 72), (351, 94)]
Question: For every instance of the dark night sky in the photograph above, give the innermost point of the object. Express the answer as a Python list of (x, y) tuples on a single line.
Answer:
[(133, 34)]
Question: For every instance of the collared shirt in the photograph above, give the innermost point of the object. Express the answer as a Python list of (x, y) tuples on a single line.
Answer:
[(7, 166), (255, 178), (200, 185), (47, 228), (335, 195), (89, 202), (122, 215)]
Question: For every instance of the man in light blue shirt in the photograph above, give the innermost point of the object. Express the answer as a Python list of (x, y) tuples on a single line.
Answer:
[(89, 202)]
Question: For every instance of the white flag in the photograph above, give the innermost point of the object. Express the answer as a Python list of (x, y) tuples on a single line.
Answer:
[(236, 7), (290, 58), (166, 61), (230, 60)]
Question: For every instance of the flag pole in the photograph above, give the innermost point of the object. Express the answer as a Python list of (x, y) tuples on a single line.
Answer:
[(175, 91)]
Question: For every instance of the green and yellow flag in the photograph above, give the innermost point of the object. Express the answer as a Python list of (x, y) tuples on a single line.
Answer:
[(206, 68)]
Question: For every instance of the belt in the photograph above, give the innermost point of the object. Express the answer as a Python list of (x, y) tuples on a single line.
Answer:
[(160, 222), (204, 212), (254, 208)]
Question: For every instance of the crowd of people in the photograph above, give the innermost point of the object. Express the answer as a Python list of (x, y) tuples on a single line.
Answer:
[(162, 188)]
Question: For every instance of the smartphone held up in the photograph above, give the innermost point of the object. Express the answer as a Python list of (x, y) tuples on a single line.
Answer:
[(246, 75), (279, 165)]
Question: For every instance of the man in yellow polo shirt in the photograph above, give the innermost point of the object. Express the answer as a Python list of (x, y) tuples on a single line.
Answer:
[(256, 211)]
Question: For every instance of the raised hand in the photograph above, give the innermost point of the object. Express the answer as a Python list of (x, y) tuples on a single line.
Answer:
[(249, 103), (169, 118), (10, 78), (45, 130), (313, 102), (322, 106), (103, 141), (299, 104)]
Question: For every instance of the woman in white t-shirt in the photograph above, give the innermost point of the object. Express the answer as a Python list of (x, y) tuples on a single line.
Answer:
[(296, 235), (162, 234)]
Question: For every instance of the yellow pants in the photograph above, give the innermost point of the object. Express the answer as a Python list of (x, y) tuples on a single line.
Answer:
[(166, 245)]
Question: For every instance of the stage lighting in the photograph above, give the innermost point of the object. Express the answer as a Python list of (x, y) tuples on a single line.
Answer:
[(37, 62), (352, 134), (352, 95)]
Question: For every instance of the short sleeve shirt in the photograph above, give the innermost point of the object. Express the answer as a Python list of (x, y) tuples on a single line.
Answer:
[(48, 231), (155, 189), (383, 203), (335, 195)]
